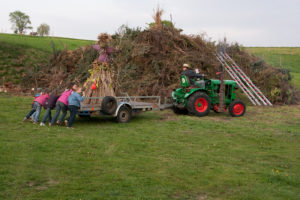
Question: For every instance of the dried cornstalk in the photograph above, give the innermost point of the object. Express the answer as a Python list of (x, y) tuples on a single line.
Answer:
[(102, 77)]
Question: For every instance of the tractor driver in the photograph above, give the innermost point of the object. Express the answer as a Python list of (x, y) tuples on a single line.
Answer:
[(189, 73)]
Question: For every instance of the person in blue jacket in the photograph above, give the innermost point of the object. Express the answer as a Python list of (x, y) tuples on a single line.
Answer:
[(73, 105)]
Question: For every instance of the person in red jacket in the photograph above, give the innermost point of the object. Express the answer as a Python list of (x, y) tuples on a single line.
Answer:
[(37, 106)]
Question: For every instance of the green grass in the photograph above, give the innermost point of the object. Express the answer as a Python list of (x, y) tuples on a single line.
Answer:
[(43, 43), (290, 59), (158, 155)]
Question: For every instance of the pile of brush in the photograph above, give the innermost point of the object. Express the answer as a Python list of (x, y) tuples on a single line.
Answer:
[(149, 63)]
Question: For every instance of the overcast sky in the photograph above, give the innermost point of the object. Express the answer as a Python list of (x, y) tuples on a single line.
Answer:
[(248, 22)]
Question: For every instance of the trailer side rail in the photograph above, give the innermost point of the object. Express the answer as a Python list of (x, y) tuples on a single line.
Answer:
[(136, 102)]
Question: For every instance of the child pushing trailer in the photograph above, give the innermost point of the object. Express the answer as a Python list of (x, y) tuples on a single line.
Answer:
[(62, 105), (39, 93), (49, 105), (37, 106), (73, 105)]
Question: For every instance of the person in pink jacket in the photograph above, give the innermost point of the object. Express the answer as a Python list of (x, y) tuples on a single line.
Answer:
[(62, 105), (37, 106)]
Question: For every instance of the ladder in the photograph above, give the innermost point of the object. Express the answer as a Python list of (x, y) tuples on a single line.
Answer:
[(236, 73)]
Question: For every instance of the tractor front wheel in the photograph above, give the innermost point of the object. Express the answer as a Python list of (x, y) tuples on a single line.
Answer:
[(199, 104), (237, 108)]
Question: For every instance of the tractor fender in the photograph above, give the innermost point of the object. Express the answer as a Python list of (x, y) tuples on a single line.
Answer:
[(193, 91), (120, 105)]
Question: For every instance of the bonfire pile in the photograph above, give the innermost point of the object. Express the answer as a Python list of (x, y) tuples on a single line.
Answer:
[(149, 63)]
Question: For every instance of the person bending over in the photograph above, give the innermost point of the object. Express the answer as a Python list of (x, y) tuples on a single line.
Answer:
[(74, 104)]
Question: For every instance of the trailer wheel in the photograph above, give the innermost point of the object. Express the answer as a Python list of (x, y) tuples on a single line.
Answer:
[(199, 104), (237, 108), (109, 105), (124, 114)]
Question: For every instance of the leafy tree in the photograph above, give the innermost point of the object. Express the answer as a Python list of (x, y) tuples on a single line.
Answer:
[(164, 23), (20, 21), (43, 29)]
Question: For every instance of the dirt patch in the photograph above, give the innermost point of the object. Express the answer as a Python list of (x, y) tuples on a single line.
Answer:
[(41, 187), (52, 182), (202, 197), (168, 116), (187, 132), (30, 183)]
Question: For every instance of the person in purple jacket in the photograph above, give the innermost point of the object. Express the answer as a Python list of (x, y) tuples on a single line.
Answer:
[(62, 105), (49, 105)]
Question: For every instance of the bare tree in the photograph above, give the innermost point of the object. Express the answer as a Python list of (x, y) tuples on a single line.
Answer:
[(43, 29)]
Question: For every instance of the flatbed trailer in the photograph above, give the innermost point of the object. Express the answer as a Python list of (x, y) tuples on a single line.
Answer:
[(127, 106)]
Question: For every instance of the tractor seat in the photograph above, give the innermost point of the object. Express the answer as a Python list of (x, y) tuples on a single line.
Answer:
[(184, 81)]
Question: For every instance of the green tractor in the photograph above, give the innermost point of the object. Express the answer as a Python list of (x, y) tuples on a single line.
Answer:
[(204, 95)]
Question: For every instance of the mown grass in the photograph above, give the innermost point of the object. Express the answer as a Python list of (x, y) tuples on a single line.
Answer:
[(282, 57), (44, 43), (158, 155)]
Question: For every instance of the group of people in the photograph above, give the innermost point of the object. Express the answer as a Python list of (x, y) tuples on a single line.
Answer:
[(69, 100)]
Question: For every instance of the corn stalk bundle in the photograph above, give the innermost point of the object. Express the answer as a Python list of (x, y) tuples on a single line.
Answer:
[(102, 78)]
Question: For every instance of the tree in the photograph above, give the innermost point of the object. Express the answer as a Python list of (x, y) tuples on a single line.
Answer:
[(20, 21), (43, 29), (158, 22)]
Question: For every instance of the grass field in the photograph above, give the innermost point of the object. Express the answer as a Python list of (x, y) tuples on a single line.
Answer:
[(158, 155), (43, 43), (283, 57)]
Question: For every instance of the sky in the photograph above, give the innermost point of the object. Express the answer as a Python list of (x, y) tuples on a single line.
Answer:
[(248, 22)]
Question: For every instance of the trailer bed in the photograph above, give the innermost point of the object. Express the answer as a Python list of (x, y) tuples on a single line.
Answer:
[(135, 102), (134, 105)]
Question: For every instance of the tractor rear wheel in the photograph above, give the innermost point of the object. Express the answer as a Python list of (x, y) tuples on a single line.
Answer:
[(199, 104), (237, 108)]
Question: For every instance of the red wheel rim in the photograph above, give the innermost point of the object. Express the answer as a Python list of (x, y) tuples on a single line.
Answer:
[(238, 109), (201, 104)]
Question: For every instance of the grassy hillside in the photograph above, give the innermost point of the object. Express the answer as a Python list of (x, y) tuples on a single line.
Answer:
[(43, 43), (283, 57), (158, 155), (15, 60), (20, 53)]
